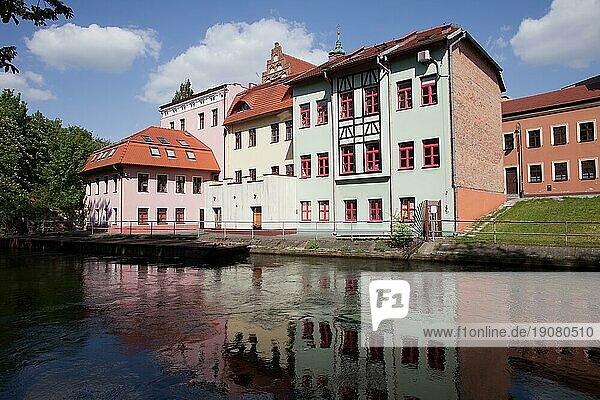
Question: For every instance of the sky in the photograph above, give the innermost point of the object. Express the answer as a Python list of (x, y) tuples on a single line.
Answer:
[(109, 67)]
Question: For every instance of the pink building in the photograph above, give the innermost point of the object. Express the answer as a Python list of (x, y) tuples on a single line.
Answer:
[(202, 115), (150, 180)]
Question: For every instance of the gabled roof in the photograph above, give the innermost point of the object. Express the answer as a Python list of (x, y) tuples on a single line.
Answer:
[(264, 99), (580, 93), (408, 43), (297, 65), (135, 150)]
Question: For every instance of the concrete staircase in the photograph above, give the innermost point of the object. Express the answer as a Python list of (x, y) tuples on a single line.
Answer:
[(477, 227)]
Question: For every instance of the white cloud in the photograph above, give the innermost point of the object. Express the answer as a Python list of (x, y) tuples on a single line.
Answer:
[(110, 49), (29, 84), (568, 35), (231, 52)]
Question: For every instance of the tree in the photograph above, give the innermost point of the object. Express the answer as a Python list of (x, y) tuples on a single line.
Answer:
[(185, 91), (17, 10)]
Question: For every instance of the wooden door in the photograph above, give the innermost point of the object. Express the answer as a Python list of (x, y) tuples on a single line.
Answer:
[(512, 186), (257, 217)]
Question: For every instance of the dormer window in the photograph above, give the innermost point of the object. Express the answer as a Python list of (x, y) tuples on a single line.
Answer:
[(242, 106), (154, 151), (190, 154), (163, 140), (183, 143), (147, 139), (112, 151), (170, 153)]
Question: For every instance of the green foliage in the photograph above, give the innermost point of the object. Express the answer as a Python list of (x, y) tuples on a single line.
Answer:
[(185, 91), (38, 13), (402, 234), (40, 161), (312, 245)]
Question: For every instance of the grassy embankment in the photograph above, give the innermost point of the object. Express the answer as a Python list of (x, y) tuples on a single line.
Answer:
[(551, 217)]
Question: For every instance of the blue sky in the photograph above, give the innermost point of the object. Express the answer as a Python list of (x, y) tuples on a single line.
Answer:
[(116, 61)]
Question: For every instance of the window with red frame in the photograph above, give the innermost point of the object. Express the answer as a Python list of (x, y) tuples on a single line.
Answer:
[(375, 210), (371, 100), (428, 91), (323, 160), (305, 166), (407, 208), (305, 210), (406, 155), (346, 105), (404, 91), (322, 114), (324, 210), (373, 156), (350, 210), (304, 115), (348, 159), (431, 153)]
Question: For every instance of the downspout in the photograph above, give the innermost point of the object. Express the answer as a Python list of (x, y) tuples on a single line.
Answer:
[(389, 135), (453, 130), (224, 111), (333, 156), (120, 197)]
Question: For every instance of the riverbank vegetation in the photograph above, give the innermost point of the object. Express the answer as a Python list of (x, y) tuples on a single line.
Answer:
[(568, 221), (40, 161)]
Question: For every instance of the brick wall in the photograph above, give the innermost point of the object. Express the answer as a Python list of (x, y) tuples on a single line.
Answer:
[(477, 121)]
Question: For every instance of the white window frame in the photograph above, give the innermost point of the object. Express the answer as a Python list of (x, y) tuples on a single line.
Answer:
[(170, 156), (504, 142), (529, 171), (167, 188), (193, 157), (552, 133), (198, 120), (518, 176), (595, 159), (554, 170), (138, 182), (579, 131), (184, 184), (541, 137), (157, 151)]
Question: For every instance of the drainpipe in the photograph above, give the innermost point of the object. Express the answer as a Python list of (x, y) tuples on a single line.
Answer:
[(453, 129), (120, 196), (333, 155), (224, 112), (389, 135)]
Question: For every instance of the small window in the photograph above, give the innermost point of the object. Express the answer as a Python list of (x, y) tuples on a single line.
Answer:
[(252, 137), (147, 139), (112, 151), (348, 159), (274, 133), (304, 115), (431, 153), (289, 130), (196, 185), (143, 182), (190, 154), (201, 120), (162, 140), (535, 173), (323, 210), (252, 173), (238, 140), (289, 169), (404, 92), (170, 153), (142, 216), (305, 170), (161, 216), (105, 184), (350, 210), (371, 100), (180, 215), (172, 125), (587, 131), (154, 151), (428, 91), (561, 171), (373, 156), (588, 169), (559, 135), (305, 210), (406, 155), (407, 208), (275, 170), (182, 124), (238, 176), (183, 143), (161, 183), (534, 138), (180, 184), (323, 164), (509, 141), (322, 112), (346, 105), (375, 210), (215, 117)]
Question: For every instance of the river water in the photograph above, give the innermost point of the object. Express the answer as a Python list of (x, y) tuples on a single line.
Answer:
[(266, 328)]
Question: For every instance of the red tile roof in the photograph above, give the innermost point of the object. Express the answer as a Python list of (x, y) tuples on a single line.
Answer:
[(297, 65), (134, 150), (586, 91), (264, 99)]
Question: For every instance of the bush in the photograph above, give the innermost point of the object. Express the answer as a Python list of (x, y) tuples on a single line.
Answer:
[(311, 245), (402, 234)]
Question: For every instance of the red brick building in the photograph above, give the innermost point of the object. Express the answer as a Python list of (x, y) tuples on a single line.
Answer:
[(550, 141)]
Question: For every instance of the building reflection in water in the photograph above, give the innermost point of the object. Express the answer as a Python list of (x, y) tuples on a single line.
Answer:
[(293, 331)]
